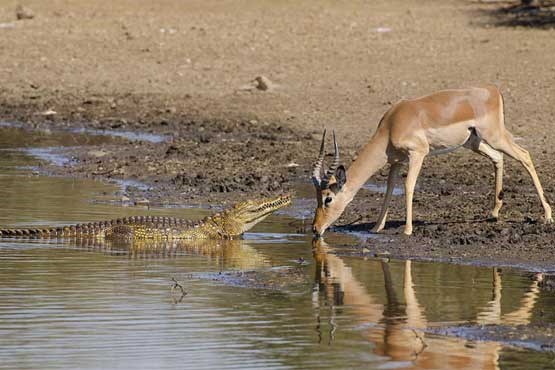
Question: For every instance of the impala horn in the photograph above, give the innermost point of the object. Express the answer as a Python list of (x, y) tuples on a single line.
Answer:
[(331, 170), (316, 172)]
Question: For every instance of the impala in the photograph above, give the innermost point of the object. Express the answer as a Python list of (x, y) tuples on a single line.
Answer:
[(407, 133)]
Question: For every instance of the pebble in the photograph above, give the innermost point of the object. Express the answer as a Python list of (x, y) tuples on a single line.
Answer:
[(142, 202), (97, 153), (382, 29), (263, 83), (382, 254), (22, 12), (49, 112)]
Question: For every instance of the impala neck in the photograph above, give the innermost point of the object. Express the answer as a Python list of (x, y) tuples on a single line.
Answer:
[(370, 160)]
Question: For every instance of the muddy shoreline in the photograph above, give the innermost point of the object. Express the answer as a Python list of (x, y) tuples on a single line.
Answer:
[(182, 159), (170, 171)]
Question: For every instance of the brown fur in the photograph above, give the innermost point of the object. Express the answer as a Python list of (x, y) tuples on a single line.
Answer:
[(432, 124)]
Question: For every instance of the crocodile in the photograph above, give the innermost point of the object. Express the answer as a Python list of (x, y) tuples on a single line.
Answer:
[(229, 224)]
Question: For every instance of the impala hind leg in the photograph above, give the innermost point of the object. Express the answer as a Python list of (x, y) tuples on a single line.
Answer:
[(415, 164), (393, 172), (513, 150), (477, 145), (497, 159)]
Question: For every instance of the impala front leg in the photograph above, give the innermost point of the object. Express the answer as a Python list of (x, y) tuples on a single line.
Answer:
[(415, 164), (393, 171)]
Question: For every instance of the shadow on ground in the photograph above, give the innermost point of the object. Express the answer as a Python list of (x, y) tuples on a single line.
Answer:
[(520, 15)]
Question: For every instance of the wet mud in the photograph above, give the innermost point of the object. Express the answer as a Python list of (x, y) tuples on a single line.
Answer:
[(197, 161)]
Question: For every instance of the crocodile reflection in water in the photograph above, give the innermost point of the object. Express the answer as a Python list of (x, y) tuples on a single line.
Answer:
[(228, 254), (397, 330)]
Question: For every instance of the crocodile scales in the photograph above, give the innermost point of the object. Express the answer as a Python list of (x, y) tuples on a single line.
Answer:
[(229, 224)]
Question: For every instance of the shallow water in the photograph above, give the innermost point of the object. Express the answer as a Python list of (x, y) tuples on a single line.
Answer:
[(72, 305)]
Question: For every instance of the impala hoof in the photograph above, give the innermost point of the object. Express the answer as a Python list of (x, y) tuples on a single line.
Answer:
[(549, 220), (492, 218)]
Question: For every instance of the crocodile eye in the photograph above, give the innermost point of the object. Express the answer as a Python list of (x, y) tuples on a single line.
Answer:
[(327, 201)]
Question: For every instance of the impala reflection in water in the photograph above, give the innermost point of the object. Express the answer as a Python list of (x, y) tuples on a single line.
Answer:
[(398, 328)]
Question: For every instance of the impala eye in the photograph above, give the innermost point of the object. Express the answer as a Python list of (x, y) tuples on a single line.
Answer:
[(327, 200)]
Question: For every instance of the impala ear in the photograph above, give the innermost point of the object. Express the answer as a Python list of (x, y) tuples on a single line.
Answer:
[(341, 176), (340, 179)]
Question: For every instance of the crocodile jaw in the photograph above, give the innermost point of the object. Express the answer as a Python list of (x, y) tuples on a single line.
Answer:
[(244, 216)]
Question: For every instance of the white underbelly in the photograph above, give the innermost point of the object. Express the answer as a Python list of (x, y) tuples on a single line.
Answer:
[(447, 139)]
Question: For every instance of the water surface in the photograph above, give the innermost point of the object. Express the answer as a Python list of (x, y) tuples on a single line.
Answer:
[(69, 304)]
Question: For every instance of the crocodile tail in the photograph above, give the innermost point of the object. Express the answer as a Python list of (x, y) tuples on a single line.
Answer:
[(52, 232), (120, 228), (30, 233), (78, 230)]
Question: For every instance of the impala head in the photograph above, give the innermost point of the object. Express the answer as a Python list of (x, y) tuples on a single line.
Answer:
[(329, 190), (243, 216)]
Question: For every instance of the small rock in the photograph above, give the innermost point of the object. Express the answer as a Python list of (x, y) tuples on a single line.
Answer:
[(263, 83), (97, 153), (92, 100), (22, 12), (383, 254), (382, 29), (49, 112), (118, 123), (142, 202)]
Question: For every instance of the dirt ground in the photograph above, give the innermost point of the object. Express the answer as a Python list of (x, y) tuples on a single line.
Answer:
[(186, 69)]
